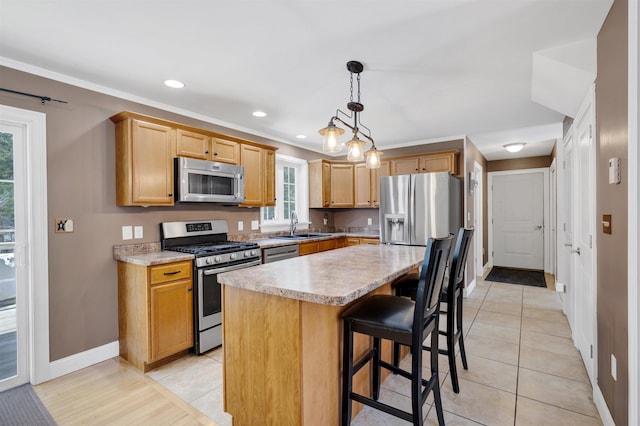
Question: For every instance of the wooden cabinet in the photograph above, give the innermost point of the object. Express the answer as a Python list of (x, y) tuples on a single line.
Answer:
[(192, 144), (259, 176), (319, 246), (330, 184), (441, 161), (342, 185), (366, 185), (354, 241), (225, 151), (144, 162), (155, 312)]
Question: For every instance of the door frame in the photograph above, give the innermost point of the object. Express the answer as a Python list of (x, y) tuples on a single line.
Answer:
[(478, 216), (35, 254), (545, 209)]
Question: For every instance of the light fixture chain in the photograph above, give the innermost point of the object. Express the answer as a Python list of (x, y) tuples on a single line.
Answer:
[(358, 88)]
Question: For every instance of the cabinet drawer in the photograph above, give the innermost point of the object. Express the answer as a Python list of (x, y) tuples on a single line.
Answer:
[(169, 272)]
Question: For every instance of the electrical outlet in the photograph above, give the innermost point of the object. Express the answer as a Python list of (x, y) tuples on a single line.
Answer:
[(64, 225), (614, 368), (369, 221), (255, 225), (127, 232), (240, 225), (138, 232)]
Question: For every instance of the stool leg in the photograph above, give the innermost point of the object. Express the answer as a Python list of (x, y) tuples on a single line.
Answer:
[(347, 373), (451, 346), (375, 376), (463, 354), (416, 386), (396, 355), (437, 400)]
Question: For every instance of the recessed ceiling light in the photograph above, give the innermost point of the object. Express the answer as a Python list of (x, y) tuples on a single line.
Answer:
[(514, 147), (174, 83), (259, 114), (301, 136)]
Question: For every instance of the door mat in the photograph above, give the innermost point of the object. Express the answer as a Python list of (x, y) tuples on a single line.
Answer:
[(21, 406), (516, 276)]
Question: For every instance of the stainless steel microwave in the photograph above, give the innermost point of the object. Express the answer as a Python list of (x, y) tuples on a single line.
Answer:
[(201, 181)]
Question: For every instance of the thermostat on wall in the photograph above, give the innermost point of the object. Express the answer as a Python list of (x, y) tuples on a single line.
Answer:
[(614, 170)]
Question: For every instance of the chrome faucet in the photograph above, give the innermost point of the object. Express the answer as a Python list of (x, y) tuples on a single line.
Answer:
[(294, 222)]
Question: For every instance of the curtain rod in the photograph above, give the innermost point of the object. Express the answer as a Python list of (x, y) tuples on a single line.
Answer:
[(43, 99)]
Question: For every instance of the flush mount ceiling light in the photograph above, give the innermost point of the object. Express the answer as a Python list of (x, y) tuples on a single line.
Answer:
[(301, 136), (259, 114), (514, 147), (174, 83), (331, 143)]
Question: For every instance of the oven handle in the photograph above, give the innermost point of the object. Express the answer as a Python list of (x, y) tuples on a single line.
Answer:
[(231, 268)]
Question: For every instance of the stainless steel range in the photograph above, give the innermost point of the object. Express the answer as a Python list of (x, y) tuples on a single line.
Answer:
[(214, 254)]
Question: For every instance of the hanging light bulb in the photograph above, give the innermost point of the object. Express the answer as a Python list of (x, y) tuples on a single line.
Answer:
[(331, 143), (373, 158), (355, 149)]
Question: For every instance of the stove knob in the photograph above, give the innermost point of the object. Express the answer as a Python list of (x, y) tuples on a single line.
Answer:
[(232, 256), (209, 261), (254, 252), (217, 259), (247, 253)]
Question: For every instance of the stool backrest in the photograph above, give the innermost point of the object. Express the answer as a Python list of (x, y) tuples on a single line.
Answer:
[(456, 271), (430, 283)]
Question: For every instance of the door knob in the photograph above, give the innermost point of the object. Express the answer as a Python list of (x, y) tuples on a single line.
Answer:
[(576, 251), (537, 227)]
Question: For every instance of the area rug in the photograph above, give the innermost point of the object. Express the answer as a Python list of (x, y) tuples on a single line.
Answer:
[(21, 406), (516, 276)]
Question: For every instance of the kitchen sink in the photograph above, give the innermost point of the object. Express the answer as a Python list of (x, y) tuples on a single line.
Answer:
[(301, 236)]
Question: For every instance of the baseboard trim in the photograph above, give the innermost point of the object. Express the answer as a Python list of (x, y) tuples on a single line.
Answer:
[(602, 408), (468, 289), (82, 360)]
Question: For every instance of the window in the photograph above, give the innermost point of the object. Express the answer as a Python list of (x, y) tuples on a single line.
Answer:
[(292, 194)]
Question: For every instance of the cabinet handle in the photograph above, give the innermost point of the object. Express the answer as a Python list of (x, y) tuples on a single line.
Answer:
[(173, 272), (170, 194), (215, 153), (206, 152), (190, 289)]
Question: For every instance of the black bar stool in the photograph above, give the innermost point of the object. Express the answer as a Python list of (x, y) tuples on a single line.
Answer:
[(403, 321), (452, 295)]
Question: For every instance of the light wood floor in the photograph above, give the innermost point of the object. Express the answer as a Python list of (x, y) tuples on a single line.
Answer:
[(114, 393)]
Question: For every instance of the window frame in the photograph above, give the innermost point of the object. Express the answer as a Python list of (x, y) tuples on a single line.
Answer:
[(302, 196)]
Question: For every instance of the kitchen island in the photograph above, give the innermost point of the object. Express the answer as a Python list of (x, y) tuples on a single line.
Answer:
[(282, 332)]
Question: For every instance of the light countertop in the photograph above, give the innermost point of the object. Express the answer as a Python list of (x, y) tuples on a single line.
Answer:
[(334, 277)]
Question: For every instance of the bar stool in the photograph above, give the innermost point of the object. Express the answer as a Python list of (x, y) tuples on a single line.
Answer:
[(403, 321), (452, 295)]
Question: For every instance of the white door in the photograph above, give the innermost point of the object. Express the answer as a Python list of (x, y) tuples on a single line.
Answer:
[(518, 227), (478, 218), (583, 232), (13, 284)]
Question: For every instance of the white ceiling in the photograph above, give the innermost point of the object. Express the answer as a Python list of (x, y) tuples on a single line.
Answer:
[(434, 69)]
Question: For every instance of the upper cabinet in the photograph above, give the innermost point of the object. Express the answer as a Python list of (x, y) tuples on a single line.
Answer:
[(225, 151), (441, 161), (144, 163), (146, 146), (330, 184), (366, 184)]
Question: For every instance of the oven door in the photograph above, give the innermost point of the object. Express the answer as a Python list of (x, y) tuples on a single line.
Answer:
[(209, 294)]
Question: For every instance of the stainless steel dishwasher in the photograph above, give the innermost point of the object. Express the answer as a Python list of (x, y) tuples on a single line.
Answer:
[(274, 254)]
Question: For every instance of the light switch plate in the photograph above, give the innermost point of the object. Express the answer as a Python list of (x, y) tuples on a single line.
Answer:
[(255, 225), (127, 232), (240, 225), (369, 221), (138, 232)]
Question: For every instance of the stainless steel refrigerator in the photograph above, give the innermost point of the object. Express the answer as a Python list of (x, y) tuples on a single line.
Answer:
[(416, 207)]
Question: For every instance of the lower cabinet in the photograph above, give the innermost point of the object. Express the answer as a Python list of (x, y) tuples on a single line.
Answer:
[(324, 245), (354, 241), (155, 312)]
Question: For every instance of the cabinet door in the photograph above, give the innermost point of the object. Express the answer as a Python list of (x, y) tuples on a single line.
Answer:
[(376, 174), (362, 185), (352, 241), (308, 248), (191, 144), (405, 166), (225, 151), (251, 157), (171, 318), (270, 177), (326, 185), (438, 163), (152, 147), (341, 185)]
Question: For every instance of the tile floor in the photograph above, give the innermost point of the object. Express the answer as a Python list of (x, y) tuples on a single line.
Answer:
[(523, 368)]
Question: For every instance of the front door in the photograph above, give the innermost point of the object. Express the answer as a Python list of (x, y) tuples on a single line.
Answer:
[(518, 228)]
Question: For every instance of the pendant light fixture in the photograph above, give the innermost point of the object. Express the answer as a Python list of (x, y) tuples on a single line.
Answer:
[(355, 146)]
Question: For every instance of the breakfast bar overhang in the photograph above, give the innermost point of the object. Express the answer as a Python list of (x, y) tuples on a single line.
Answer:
[(282, 332)]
